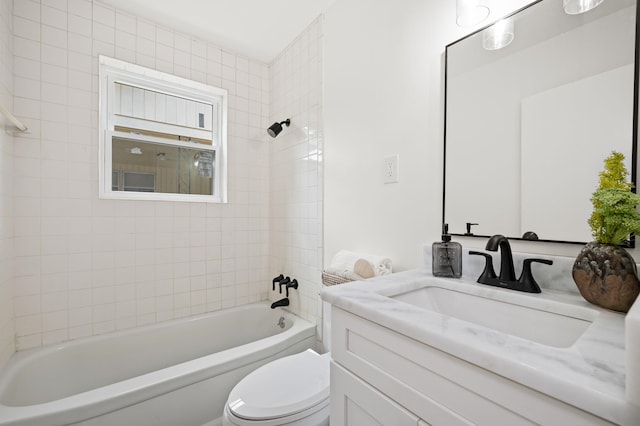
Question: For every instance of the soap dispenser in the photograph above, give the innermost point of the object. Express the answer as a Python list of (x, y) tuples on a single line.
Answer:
[(447, 256)]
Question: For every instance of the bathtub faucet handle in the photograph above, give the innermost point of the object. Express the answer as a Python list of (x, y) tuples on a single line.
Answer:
[(284, 282), (293, 284), (275, 280)]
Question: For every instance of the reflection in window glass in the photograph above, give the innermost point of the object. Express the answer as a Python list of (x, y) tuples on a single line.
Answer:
[(139, 182), (152, 167)]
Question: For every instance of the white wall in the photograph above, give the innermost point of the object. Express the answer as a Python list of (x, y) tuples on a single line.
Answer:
[(7, 325), (85, 266), (575, 117), (384, 79), (296, 170)]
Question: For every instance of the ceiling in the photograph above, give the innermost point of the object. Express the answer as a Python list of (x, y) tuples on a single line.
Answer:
[(258, 29)]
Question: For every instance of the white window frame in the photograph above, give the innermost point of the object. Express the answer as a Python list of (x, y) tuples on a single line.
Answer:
[(115, 71)]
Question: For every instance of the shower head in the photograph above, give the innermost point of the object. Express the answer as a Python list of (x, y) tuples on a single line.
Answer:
[(275, 129)]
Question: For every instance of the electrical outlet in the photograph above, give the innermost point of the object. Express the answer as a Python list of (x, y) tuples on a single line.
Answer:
[(390, 169)]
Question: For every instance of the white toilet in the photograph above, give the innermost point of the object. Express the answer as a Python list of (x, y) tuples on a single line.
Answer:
[(293, 390)]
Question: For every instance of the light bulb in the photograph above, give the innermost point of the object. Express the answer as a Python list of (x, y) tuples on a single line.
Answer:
[(575, 7), (471, 12)]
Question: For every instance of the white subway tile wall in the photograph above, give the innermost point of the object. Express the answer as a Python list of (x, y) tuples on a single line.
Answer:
[(296, 170), (7, 324), (85, 266)]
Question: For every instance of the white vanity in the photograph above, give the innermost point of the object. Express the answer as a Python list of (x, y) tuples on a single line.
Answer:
[(413, 349)]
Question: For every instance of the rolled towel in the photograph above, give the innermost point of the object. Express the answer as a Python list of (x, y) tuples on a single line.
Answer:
[(363, 268), (345, 263)]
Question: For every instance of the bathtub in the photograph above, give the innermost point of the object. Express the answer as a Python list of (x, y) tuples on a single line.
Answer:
[(174, 373)]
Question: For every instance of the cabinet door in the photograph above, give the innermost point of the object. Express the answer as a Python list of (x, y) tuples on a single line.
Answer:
[(355, 403)]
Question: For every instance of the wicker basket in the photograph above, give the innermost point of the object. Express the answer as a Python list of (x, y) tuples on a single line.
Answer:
[(330, 279)]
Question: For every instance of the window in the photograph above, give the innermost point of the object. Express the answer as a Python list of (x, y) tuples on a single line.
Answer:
[(162, 137)]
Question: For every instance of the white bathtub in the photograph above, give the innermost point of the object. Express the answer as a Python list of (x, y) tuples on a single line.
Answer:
[(174, 373)]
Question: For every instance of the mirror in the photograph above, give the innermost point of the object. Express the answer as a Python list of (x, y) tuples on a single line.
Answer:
[(528, 125)]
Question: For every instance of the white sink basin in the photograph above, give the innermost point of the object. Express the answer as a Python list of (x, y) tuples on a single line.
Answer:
[(555, 324)]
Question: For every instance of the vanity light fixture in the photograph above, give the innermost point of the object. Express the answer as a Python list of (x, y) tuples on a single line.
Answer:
[(575, 7), (471, 12), (275, 129), (498, 35)]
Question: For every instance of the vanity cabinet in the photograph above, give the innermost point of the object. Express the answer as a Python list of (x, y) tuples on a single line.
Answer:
[(379, 376), (354, 402)]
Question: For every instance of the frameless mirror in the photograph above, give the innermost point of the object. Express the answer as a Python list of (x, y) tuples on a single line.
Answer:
[(534, 104)]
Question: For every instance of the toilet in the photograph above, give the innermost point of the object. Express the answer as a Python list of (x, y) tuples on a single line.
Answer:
[(293, 390)]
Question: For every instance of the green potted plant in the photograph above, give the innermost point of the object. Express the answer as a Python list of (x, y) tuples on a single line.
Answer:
[(604, 271)]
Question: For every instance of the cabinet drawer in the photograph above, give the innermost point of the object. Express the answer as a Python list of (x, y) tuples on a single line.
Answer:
[(438, 387), (355, 403)]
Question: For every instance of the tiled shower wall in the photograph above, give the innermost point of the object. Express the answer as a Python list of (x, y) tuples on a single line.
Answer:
[(85, 266), (296, 170), (7, 328)]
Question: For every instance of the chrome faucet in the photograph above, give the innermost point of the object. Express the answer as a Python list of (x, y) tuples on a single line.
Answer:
[(507, 277)]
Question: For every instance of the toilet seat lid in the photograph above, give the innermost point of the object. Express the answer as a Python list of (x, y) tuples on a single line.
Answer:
[(283, 387)]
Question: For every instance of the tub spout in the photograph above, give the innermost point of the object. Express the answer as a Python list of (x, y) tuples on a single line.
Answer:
[(279, 303)]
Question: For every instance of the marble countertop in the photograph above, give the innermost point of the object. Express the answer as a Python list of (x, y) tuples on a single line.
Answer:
[(590, 374)]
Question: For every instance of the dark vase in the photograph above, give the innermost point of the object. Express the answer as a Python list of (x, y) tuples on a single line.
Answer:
[(606, 276)]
